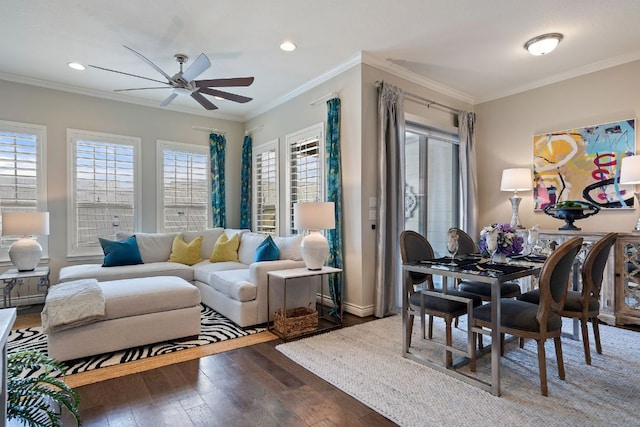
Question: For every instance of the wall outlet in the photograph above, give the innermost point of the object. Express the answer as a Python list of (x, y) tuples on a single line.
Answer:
[(373, 202), (372, 214)]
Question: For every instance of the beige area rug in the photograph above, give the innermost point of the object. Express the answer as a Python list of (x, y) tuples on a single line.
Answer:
[(365, 361)]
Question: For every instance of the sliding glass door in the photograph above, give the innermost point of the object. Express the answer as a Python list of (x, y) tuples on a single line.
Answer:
[(432, 191)]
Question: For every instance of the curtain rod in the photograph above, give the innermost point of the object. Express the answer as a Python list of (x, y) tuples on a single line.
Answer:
[(324, 98), (253, 129), (206, 129), (425, 101)]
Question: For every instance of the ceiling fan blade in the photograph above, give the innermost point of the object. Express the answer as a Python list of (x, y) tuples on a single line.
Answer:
[(168, 100), (127, 74), (155, 67), (142, 88), (199, 66), (226, 95), (236, 81), (203, 101)]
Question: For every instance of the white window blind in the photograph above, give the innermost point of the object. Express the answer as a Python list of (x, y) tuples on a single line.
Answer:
[(104, 188), (185, 187), (265, 188), (305, 177), (22, 176)]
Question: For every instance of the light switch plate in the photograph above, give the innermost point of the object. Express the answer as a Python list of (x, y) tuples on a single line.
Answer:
[(373, 202)]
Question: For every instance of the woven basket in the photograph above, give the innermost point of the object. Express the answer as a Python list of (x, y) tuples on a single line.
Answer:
[(299, 321)]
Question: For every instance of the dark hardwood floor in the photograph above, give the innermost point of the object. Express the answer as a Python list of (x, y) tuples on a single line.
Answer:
[(251, 386)]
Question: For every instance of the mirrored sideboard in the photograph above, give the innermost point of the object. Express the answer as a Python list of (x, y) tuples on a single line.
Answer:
[(620, 295)]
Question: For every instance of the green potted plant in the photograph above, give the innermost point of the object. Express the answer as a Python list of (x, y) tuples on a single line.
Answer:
[(38, 399)]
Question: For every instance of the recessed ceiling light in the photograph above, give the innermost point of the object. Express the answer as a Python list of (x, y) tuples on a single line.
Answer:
[(288, 46), (543, 44), (76, 66)]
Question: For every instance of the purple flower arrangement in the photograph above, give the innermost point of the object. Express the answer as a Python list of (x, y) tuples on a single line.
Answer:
[(509, 243)]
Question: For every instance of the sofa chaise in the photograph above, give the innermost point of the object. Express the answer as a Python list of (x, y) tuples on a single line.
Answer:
[(236, 289)]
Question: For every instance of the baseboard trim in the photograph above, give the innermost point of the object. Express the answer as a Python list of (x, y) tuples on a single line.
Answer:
[(356, 310)]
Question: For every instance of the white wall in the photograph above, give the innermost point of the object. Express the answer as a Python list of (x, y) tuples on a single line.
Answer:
[(505, 130), (61, 110)]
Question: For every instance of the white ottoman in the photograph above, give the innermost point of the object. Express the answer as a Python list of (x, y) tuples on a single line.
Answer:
[(137, 312)]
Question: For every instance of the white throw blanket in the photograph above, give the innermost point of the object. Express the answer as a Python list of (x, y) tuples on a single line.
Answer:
[(72, 304)]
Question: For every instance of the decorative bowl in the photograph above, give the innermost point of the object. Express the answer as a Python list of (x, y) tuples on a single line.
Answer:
[(571, 211)]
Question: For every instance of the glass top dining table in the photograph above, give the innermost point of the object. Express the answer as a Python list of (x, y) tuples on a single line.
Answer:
[(475, 269)]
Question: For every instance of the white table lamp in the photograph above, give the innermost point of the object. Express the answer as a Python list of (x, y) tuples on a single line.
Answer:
[(314, 217), (25, 253), (630, 174), (516, 179)]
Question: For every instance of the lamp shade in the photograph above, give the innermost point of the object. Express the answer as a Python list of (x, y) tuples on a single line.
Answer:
[(630, 170), (314, 216), (516, 179), (25, 223)]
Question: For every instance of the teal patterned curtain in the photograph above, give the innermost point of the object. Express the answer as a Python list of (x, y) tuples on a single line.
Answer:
[(245, 184), (217, 145), (334, 194)]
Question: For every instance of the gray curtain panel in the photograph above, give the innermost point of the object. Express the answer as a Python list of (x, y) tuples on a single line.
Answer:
[(469, 172), (391, 140)]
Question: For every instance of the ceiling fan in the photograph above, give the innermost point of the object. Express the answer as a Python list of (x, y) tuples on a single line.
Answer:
[(183, 83)]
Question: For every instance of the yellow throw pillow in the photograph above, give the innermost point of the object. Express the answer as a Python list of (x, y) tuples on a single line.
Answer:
[(186, 253), (226, 249)]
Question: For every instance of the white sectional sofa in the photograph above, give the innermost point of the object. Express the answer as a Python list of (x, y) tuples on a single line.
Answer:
[(237, 290)]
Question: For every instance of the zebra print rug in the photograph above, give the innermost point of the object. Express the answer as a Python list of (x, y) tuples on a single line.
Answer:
[(213, 329)]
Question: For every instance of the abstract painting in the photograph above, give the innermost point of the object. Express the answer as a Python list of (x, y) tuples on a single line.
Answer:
[(583, 164)]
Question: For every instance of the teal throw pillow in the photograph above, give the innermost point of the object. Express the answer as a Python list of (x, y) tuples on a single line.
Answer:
[(123, 252), (267, 251)]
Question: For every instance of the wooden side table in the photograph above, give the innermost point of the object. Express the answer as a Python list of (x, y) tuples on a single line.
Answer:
[(10, 278), (296, 273)]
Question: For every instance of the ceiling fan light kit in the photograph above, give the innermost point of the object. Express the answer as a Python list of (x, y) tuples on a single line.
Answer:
[(541, 45), (184, 83)]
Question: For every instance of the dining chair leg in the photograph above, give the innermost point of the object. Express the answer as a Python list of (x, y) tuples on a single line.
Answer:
[(596, 334), (585, 340), (472, 363), (448, 341), (542, 367), (430, 327), (559, 359), (521, 342), (409, 330)]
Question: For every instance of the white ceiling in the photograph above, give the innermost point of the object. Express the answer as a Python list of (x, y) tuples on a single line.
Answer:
[(473, 47)]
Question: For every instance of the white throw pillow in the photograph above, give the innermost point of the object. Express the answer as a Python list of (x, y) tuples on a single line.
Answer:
[(248, 245), (209, 238), (154, 247), (289, 247)]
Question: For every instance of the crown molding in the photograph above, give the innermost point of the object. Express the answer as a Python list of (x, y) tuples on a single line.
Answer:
[(399, 71), (115, 97), (570, 74), (349, 63)]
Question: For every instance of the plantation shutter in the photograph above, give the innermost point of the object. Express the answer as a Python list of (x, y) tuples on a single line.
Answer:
[(305, 173), (18, 175), (265, 165), (185, 190), (104, 190)]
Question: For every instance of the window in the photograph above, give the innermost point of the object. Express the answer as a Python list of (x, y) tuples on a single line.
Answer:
[(432, 183), (265, 188), (22, 174), (305, 169), (183, 187), (103, 183)]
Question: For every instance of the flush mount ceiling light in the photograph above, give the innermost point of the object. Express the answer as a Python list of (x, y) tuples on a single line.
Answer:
[(543, 44), (288, 46), (76, 66)]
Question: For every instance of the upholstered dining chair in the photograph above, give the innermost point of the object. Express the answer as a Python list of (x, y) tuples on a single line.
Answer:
[(466, 245), (415, 247), (585, 304), (538, 321)]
